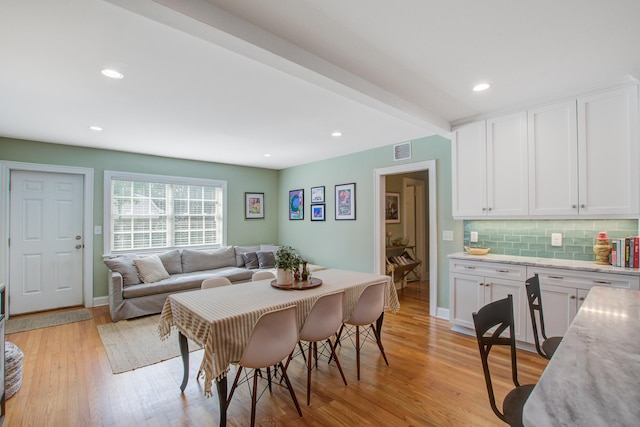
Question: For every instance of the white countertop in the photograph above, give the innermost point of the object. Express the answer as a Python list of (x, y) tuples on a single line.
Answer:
[(547, 262), (593, 379)]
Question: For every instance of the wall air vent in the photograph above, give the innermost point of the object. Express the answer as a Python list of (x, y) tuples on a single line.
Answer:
[(402, 151)]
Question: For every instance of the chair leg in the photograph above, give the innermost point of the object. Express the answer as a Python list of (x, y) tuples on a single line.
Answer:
[(379, 342), (335, 356), (309, 366), (235, 384), (291, 391), (254, 393), (358, 350)]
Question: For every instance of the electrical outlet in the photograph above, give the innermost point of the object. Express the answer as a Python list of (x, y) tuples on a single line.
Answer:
[(474, 237), (556, 239)]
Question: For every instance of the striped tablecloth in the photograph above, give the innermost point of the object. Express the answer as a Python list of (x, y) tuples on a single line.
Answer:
[(221, 319)]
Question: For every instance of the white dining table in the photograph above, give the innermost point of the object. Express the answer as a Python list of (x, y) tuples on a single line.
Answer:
[(221, 319), (593, 378)]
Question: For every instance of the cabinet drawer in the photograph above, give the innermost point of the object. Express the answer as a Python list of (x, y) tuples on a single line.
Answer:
[(583, 279), (489, 269)]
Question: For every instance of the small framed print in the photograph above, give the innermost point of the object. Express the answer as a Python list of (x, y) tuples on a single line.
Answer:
[(296, 204), (317, 212), (392, 208), (317, 194), (254, 205), (345, 201)]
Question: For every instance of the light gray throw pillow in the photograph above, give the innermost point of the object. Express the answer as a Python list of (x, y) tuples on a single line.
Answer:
[(124, 265)]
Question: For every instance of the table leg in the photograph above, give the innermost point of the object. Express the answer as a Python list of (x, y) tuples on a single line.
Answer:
[(184, 352), (222, 398)]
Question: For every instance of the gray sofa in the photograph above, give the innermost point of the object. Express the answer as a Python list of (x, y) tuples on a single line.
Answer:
[(139, 284)]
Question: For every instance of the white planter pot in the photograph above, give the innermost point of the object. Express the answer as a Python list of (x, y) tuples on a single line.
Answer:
[(284, 277)]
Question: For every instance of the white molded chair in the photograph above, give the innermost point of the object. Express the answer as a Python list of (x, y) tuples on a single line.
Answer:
[(215, 282), (321, 324), (368, 309), (262, 275), (273, 337)]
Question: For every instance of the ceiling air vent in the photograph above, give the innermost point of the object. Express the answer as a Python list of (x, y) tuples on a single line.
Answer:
[(402, 151)]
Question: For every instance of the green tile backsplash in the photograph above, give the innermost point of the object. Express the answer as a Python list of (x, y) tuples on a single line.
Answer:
[(533, 238)]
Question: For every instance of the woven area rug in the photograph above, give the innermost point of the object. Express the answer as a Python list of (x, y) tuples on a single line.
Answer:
[(132, 344), (46, 320)]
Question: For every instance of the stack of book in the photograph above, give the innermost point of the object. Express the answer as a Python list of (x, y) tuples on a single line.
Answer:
[(403, 259), (625, 252)]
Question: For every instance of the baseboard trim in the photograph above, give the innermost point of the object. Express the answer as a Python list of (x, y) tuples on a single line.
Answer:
[(98, 301)]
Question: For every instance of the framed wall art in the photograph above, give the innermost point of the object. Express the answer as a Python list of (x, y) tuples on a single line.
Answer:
[(254, 205), (317, 194), (317, 212), (296, 204), (345, 201), (392, 208)]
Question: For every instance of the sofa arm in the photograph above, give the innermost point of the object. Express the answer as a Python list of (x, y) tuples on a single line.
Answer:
[(116, 286)]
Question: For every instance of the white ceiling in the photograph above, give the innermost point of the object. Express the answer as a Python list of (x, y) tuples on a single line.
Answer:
[(229, 81)]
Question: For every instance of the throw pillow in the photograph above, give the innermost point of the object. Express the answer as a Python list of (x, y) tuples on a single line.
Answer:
[(266, 259), (250, 260), (151, 269), (172, 261), (201, 260), (124, 265), (242, 250), (269, 248)]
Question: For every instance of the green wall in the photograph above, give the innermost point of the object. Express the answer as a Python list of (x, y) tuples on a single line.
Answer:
[(350, 244), (239, 179)]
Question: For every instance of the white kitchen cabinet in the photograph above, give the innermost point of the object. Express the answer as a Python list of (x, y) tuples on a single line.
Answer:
[(553, 160), (475, 284), (563, 291), (608, 153), (490, 168)]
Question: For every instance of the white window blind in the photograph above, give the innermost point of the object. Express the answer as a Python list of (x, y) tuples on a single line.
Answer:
[(156, 212)]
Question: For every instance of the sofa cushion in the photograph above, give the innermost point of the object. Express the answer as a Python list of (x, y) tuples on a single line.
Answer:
[(266, 259), (172, 261), (194, 260), (250, 260), (150, 269), (124, 265), (269, 248), (186, 281), (242, 250)]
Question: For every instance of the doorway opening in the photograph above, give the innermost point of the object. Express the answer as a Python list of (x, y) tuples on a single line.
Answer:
[(423, 224)]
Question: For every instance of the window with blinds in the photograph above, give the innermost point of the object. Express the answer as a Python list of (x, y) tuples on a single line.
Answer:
[(153, 212)]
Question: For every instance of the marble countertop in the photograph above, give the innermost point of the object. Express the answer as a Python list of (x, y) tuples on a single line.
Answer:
[(593, 378), (547, 262)]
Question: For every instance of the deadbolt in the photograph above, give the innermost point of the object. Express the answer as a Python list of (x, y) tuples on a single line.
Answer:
[(78, 237)]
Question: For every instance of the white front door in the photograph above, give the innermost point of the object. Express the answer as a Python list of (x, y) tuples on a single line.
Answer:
[(46, 242)]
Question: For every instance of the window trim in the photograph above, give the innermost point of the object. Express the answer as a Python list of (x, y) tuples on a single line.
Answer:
[(164, 179)]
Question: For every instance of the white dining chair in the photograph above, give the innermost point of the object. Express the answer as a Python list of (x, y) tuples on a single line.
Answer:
[(262, 275), (368, 309), (215, 282), (273, 337)]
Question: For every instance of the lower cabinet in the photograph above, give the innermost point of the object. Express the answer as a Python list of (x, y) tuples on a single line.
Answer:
[(474, 284)]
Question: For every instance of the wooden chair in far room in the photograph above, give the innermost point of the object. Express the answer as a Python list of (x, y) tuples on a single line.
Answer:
[(368, 309), (262, 275), (321, 324), (498, 317), (215, 282), (548, 345), (272, 339)]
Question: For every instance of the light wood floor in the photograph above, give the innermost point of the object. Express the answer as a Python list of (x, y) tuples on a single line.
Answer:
[(434, 378)]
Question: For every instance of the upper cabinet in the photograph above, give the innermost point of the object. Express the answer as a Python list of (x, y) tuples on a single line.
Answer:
[(490, 168), (577, 158)]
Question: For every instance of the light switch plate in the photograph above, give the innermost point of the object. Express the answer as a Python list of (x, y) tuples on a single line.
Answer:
[(474, 237), (447, 235), (556, 239), (97, 229)]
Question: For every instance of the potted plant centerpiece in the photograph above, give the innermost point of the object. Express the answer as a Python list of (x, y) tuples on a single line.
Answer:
[(287, 260)]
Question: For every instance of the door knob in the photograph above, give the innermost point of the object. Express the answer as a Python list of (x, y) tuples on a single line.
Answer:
[(78, 246)]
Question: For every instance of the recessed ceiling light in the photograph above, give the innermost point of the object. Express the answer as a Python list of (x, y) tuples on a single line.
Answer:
[(336, 134), (481, 86), (112, 74), (267, 155), (96, 128)]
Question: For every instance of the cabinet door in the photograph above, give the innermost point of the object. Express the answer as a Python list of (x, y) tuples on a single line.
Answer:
[(559, 307), (496, 289), (507, 186), (468, 155), (608, 152), (466, 297), (553, 160)]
